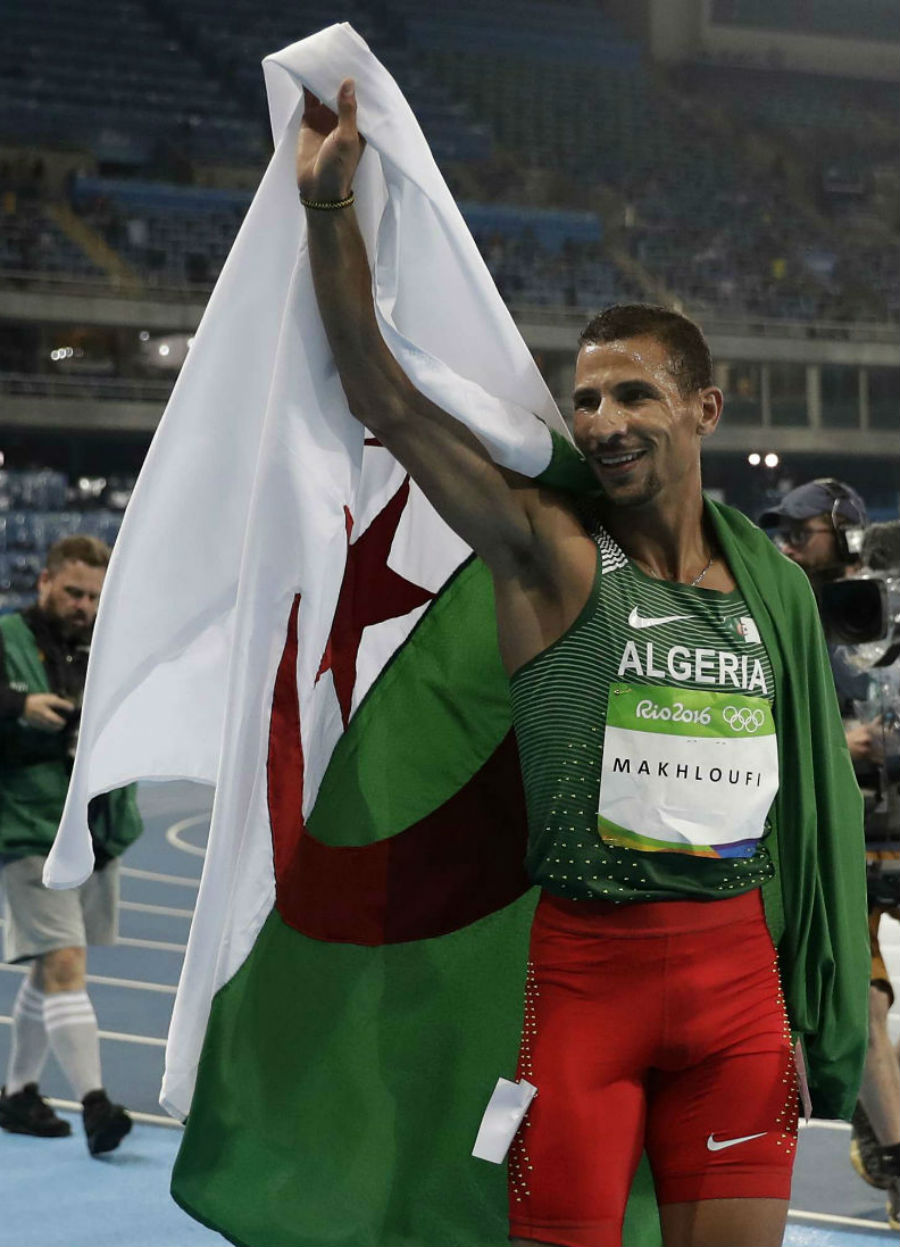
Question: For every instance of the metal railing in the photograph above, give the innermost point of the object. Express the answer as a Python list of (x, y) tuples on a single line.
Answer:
[(102, 286), (122, 389), (730, 324), (719, 321)]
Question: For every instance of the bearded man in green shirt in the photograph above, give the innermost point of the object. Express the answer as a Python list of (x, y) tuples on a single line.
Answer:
[(43, 664)]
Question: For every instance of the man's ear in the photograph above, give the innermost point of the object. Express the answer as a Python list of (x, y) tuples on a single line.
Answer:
[(711, 402)]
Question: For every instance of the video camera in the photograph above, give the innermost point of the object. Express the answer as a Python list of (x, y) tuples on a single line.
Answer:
[(862, 613)]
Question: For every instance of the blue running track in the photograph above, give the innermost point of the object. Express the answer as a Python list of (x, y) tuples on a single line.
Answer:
[(55, 1195)]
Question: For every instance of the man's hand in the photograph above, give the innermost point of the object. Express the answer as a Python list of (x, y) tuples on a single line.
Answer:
[(46, 711), (329, 147), (864, 741)]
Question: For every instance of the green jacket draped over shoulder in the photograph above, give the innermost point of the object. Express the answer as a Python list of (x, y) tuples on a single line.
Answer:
[(35, 768), (816, 903)]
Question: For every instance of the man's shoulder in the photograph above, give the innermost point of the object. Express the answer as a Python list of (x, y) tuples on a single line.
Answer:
[(12, 623), (761, 554), (18, 625)]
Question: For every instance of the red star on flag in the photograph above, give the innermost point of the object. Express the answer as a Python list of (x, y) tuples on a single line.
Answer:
[(370, 593)]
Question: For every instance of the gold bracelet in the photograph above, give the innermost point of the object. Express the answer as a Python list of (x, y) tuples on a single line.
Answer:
[(327, 205)]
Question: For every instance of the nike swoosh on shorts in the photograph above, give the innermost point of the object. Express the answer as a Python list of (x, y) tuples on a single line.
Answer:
[(715, 1145), (635, 619)]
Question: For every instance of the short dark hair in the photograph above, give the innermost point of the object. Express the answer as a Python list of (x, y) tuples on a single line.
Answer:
[(689, 356), (79, 548)]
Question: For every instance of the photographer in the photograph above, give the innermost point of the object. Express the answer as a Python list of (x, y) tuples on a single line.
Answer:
[(821, 527), (43, 663)]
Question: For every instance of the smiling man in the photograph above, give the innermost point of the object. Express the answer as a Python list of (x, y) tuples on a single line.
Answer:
[(659, 711)]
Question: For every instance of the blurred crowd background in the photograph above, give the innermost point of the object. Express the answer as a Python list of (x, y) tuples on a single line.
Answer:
[(736, 159)]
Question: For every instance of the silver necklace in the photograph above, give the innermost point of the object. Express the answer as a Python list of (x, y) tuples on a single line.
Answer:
[(700, 575)]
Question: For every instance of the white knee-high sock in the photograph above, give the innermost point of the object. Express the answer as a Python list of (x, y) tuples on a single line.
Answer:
[(72, 1030), (29, 1045)]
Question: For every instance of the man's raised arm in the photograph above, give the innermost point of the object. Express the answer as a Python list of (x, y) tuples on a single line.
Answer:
[(490, 508)]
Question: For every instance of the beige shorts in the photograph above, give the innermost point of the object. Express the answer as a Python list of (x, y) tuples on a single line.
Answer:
[(40, 920)]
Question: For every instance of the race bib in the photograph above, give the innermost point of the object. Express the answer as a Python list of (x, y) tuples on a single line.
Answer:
[(686, 771)]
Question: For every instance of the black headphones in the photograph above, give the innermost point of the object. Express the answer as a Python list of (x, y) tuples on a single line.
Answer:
[(849, 537)]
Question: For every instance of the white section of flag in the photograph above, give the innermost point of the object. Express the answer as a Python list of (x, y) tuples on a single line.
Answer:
[(240, 506)]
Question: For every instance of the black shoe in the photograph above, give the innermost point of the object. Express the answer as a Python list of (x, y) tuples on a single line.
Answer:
[(27, 1112), (105, 1124), (865, 1152)]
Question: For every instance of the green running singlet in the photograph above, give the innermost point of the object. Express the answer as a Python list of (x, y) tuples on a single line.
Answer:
[(647, 743)]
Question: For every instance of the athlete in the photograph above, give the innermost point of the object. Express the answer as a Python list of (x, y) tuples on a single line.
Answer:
[(650, 712)]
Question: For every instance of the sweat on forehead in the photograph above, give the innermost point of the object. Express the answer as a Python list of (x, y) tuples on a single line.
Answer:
[(688, 354)]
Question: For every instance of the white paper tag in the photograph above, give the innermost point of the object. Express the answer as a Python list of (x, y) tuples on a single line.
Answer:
[(502, 1118), (803, 1081)]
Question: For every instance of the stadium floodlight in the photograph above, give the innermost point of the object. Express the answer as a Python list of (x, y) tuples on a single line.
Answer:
[(771, 460), (753, 459)]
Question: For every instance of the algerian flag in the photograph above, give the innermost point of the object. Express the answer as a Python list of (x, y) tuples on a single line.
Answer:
[(286, 617)]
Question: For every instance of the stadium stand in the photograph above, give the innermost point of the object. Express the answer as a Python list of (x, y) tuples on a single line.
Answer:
[(31, 241), (181, 236), (753, 196), (707, 221), (691, 210), (124, 89), (255, 28)]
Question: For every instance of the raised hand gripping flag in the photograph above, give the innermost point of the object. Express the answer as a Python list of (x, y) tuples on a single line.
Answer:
[(286, 617)]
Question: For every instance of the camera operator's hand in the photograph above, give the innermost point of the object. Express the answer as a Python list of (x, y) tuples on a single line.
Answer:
[(864, 741), (47, 712)]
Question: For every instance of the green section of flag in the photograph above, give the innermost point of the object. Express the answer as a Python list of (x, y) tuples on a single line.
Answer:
[(431, 720), (688, 712), (567, 470), (336, 1080)]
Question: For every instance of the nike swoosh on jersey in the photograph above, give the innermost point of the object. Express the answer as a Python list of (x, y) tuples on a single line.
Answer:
[(636, 620), (715, 1145)]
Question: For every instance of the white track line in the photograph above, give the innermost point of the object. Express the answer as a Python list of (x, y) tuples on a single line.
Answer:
[(162, 946), (119, 1036), (138, 985), (166, 910), (173, 835), (183, 881), (829, 1218), (151, 1119)]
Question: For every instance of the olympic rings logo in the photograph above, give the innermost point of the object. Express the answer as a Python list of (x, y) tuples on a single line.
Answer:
[(743, 719)]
